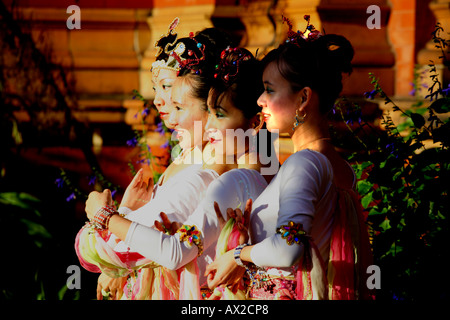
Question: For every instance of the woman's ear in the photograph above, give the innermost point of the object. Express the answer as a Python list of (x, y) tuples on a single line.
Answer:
[(305, 95), (257, 122)]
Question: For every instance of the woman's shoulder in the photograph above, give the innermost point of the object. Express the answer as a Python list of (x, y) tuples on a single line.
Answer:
[(192, 177), (237, 179), (239, 174), (331, 165), (305, 159)]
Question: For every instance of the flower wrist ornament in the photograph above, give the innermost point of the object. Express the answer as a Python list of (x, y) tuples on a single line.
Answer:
[(292, 232), (192, 236), (102, 217)]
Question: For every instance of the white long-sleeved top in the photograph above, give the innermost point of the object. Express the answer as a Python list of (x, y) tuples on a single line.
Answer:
[(178, 197), (231, 190), (302, 192)]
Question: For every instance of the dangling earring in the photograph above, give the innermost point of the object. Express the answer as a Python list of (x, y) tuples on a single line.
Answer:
[(298, 120)]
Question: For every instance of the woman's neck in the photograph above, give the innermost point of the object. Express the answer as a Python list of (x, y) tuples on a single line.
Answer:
[(309, 136)]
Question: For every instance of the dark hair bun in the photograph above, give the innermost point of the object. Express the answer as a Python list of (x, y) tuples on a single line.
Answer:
[(336, 50)]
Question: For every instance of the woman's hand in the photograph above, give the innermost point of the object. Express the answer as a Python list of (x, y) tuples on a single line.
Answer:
[(224, 271), (167, 226), (96, 201), (138, 193), (112, 286), (242, 221)]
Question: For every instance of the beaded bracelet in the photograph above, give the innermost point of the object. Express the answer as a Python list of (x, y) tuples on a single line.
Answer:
[(192, 236), (102, 216), (237, 255)]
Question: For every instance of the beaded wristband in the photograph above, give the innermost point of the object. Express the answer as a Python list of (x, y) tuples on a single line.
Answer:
[(102, 216), (237, 255), (192, 236)]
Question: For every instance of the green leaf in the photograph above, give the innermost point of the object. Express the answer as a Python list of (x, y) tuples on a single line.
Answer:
[(375, 211), (363, 187), (418, 120), (395, 248), (441, 105), (385, 225), (21, 200), (34, 228), (367, 200)]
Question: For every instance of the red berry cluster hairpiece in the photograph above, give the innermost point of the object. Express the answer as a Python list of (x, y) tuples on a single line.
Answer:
[(229, 68), (310, 33), (195, 55)]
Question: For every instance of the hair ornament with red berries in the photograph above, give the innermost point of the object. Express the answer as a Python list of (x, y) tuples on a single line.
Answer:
[(310, 33), (195, 55), (230, 59)]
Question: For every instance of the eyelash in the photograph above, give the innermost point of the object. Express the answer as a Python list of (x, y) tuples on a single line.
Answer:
[(219, 115), (268, 90)]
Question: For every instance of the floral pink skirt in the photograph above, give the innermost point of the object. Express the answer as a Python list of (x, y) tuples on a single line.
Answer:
[(273, 289)]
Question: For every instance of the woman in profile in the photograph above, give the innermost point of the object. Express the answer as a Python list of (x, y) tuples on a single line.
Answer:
[(190, 62), (308, 239)]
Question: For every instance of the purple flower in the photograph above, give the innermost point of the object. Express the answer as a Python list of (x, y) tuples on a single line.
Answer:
[(160, 129), (370, 94), (334, 109), (113, 193), (132, 142), (145, 112), (59, 182), (390, 147), (71, 197), (165, 144), (446, 91), (92, 180), (143, 161)]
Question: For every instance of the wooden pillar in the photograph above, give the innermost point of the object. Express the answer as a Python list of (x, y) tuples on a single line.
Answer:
[(402, 30), (373, 52), (102, 57), (441, 12), (247, 22)]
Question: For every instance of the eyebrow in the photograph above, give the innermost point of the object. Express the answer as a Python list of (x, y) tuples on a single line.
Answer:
[(217, 107), (165, 79), (268, 82)]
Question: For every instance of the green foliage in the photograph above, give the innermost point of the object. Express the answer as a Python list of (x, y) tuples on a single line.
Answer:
[(29, 246), (404, 189)]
